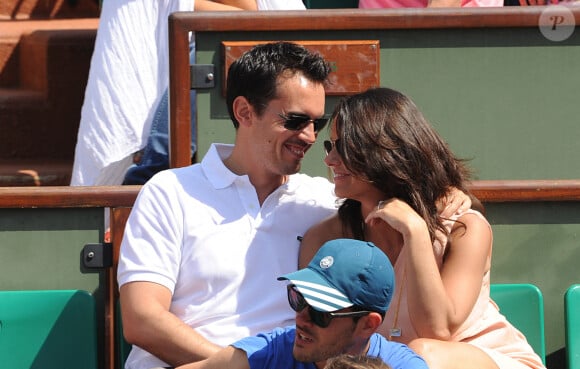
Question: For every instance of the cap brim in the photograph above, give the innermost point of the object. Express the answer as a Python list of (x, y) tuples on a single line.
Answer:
[(317, 291)]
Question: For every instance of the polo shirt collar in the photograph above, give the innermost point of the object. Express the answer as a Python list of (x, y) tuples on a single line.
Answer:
[(213, 166), (221, 177)]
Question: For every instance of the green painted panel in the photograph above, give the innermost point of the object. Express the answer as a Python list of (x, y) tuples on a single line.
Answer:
[(41, 248), (503, 98), (514, 120)]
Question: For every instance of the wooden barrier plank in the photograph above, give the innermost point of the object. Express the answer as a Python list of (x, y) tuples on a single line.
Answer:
[(124, 196), (67, 196)]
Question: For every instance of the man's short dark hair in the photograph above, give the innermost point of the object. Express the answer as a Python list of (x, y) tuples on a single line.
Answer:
[(254, 75)]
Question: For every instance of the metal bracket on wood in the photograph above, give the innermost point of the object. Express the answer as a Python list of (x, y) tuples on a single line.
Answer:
[(202, 76), (97, 255)]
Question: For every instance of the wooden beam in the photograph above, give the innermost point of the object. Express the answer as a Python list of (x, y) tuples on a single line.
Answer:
[(68, 196), (124, 196)]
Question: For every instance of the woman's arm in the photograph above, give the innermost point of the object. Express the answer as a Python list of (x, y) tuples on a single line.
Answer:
[(439, 301)]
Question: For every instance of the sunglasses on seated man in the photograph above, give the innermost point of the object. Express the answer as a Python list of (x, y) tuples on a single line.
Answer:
[(297, 122), (320, 318)]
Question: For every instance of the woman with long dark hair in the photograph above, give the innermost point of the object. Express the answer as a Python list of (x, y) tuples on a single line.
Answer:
[(392, 168)]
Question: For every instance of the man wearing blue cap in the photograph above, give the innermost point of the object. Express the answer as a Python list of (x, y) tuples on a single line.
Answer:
[(340, 300)]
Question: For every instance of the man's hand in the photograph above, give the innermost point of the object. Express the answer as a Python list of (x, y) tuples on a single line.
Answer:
[(454, 202)]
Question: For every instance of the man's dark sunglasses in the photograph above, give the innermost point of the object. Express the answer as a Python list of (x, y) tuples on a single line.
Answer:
[(297, 122), (320, 318), (329, 145)]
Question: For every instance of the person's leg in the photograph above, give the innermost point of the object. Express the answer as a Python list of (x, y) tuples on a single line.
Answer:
[(451, 355), (155, 157)]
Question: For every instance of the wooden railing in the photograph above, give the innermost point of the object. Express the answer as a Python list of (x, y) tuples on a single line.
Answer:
[(68, 197), (526, 190), (124, 196)]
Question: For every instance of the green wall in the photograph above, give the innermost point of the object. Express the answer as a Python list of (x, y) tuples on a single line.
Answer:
[(504, 98), (41, 248)]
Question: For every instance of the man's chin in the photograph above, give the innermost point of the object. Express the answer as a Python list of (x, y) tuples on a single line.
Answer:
[(299, 355), (292, 169)]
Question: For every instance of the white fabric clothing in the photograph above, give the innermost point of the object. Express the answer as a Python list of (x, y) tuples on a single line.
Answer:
[(201, 232), (129, 73), (114, 173), (280, 5)]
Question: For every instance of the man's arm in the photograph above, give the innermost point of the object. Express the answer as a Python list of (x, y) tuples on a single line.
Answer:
[(454, 202), (148, 324), (227, 358)]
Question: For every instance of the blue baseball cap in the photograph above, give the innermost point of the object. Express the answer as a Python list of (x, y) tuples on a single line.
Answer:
[(346, 272)]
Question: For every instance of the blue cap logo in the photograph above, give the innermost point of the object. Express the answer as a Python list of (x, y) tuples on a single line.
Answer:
[(326, 262)]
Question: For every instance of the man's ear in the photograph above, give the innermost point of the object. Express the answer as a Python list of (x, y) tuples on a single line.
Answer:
[(243, 111), (369, 324)]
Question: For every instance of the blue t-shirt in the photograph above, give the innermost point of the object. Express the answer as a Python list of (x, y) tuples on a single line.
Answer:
[(274, 350)]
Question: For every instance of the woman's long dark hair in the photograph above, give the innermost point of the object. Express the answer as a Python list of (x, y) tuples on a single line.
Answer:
[(387, 141)]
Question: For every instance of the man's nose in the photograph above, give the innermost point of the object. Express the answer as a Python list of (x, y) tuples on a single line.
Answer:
[(303, 316), (308, 133)]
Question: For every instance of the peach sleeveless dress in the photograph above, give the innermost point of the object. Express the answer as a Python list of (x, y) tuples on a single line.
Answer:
[(485, 327)]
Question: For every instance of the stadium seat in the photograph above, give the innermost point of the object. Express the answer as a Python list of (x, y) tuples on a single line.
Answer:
[(572, 325), (523, 306), (48, 329)]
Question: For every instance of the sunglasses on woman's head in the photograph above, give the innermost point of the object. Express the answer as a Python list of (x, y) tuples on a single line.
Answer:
[(320, 318), (297, 122), (329, 145)]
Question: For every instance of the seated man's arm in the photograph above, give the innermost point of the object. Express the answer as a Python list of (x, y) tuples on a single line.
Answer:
[(454, 202), (148, 324), (227, 358)]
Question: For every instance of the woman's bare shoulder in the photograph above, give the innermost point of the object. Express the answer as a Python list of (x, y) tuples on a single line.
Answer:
[(475, 220), (328, 229), (471, 228), (316, 236)]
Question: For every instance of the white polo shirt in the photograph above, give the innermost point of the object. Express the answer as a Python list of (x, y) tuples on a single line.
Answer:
[(200, 232)]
